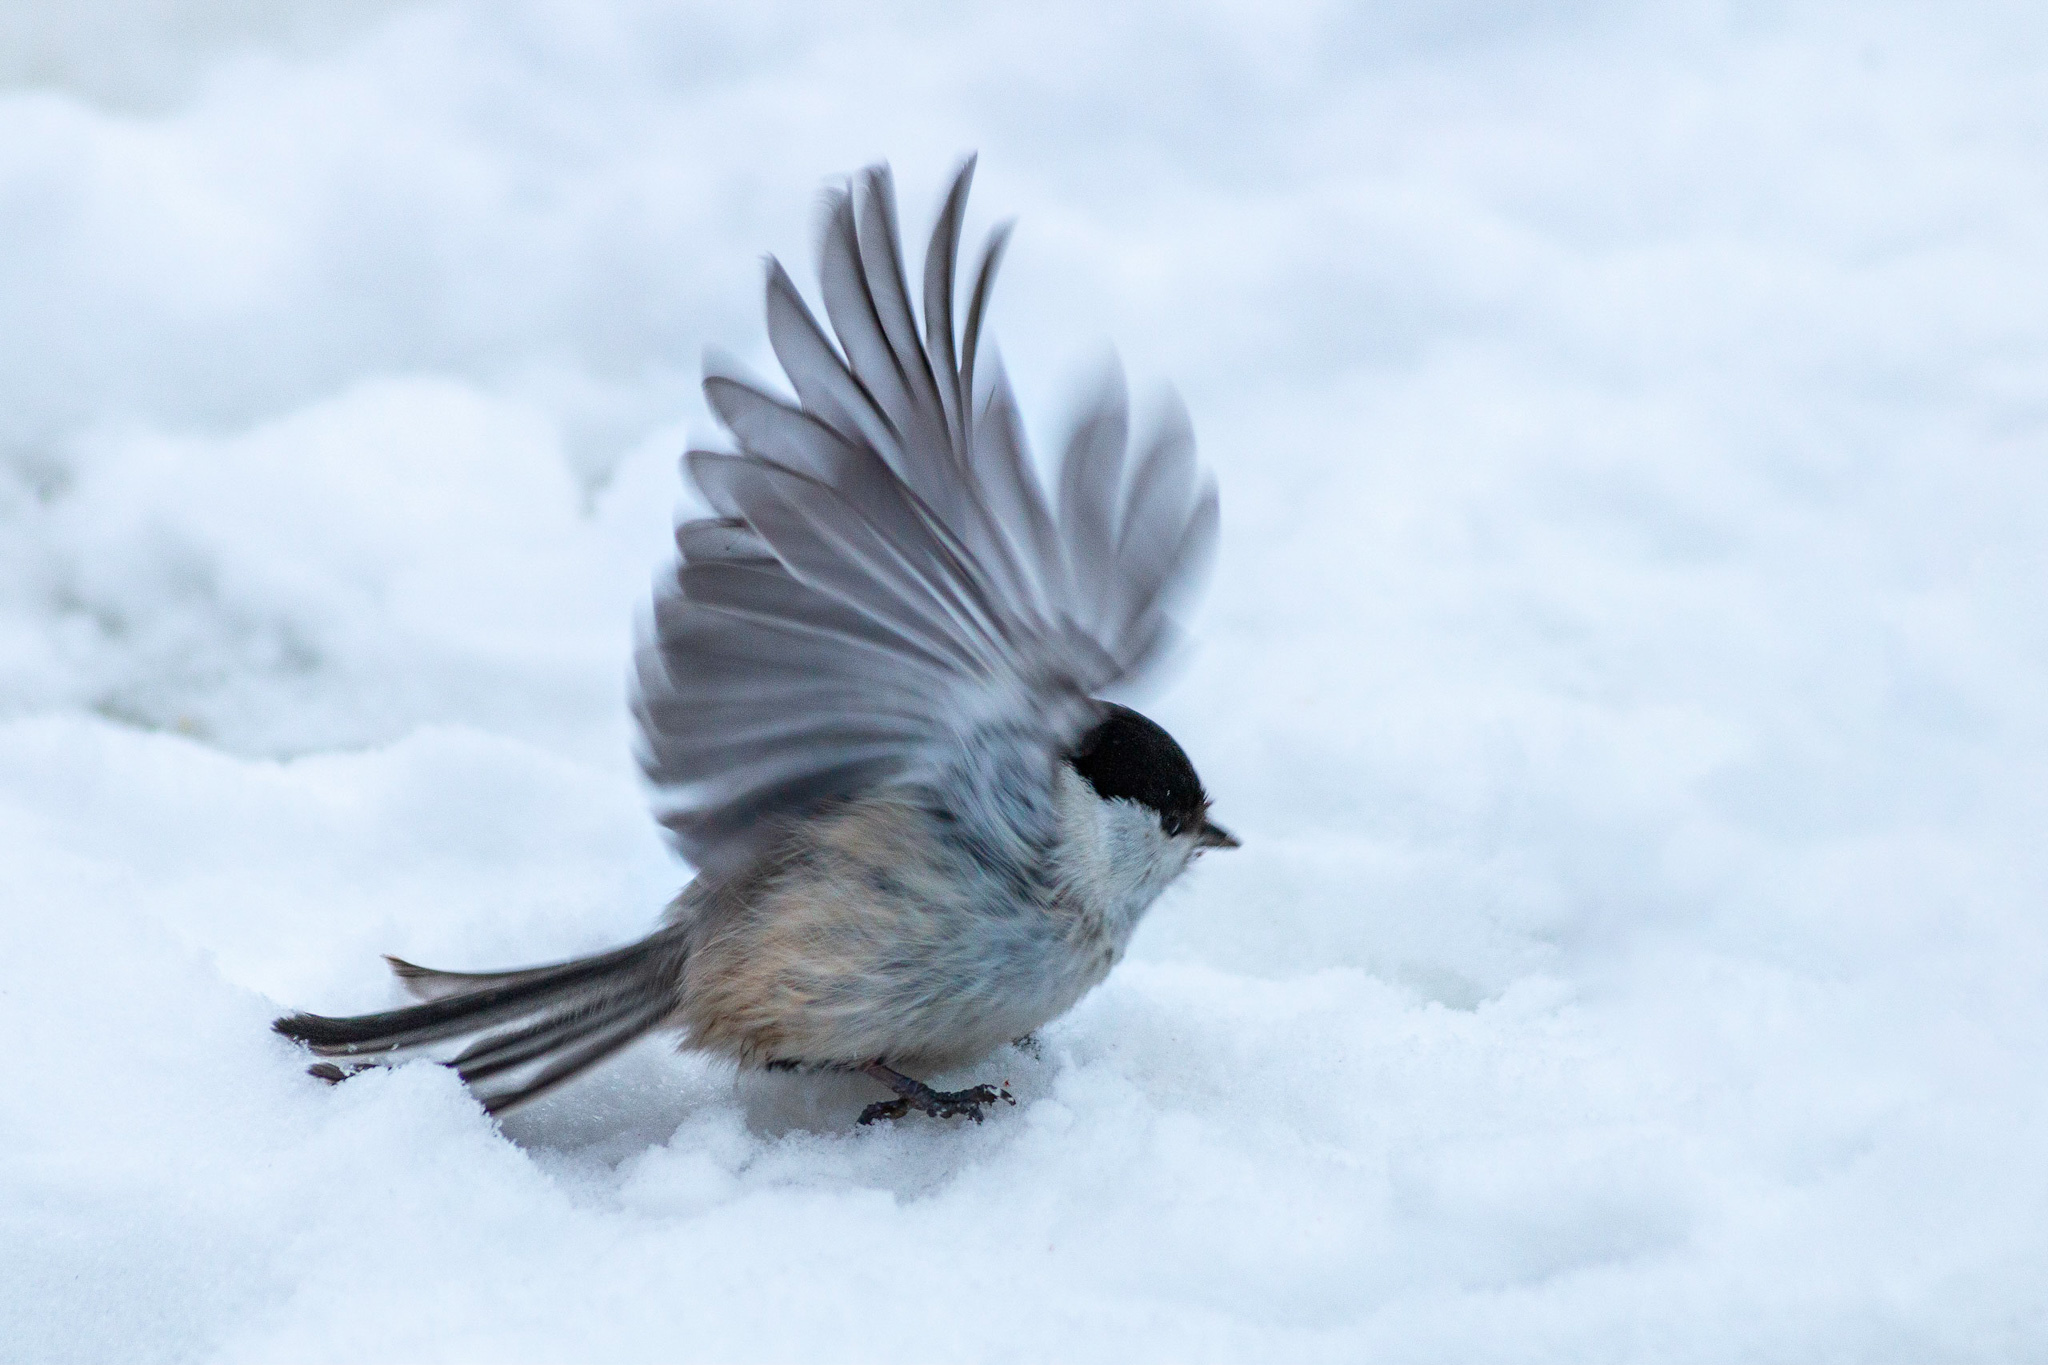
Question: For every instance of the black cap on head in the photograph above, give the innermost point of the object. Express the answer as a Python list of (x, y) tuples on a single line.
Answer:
[(1128, 756)]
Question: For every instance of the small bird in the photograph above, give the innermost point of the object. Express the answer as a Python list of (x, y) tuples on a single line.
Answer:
[(870, 714)]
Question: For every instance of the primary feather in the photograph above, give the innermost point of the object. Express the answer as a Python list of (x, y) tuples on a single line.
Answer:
[(886, 582)]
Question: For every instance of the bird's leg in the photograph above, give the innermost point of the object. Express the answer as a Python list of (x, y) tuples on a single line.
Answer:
[(940, 1104)]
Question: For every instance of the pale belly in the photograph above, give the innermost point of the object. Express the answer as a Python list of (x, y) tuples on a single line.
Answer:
[(854, 952)]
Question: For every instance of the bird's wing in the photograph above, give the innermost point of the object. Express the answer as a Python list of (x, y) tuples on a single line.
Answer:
[(886, 577)]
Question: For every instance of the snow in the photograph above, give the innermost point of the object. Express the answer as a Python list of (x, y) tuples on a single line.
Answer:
[(1624, 668)]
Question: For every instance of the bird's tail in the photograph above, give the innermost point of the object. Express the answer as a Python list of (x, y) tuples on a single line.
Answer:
[(513, 1035)]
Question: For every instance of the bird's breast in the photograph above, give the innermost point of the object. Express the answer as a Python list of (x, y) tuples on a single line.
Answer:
[(871, 935)]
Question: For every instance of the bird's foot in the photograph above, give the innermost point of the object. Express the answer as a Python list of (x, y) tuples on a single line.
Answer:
[(940, 1104)]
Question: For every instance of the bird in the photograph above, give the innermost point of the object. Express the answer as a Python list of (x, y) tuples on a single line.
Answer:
[(872, 716)]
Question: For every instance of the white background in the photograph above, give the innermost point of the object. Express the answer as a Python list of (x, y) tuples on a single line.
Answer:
[(1625, 666)]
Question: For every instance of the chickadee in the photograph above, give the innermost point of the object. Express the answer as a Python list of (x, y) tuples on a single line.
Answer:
[(867, 700)]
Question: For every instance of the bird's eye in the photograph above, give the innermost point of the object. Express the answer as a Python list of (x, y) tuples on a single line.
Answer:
[(1174, 824)]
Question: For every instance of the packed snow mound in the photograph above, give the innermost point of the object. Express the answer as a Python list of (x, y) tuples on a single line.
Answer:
[(1623, 666)]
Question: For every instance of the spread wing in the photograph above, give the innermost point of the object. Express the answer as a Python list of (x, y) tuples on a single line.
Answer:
[(887, 577)]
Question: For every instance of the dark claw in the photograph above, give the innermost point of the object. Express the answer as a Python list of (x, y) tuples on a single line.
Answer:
[(885, 1109), (939, 1104), (953, 1104)]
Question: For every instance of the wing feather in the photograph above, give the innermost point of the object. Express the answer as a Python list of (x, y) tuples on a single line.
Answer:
[(941, 260), (887, 583)]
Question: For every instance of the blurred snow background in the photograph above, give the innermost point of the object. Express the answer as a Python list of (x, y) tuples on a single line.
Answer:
[(1625, 665)]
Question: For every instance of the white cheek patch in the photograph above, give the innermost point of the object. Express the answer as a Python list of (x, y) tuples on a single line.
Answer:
[(1141, 857), (1115, 857)]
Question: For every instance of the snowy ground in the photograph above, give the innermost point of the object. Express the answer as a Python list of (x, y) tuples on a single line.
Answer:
[(1625, 667)]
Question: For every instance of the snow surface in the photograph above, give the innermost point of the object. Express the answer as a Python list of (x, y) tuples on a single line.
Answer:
[(1625, 667)]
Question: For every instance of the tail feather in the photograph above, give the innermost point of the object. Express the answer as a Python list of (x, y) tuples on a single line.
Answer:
[(567, 1065), (522, 1032), (425, 983), (501, 1052)]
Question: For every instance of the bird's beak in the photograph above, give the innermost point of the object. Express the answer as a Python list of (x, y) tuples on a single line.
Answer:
[(1213, 835)]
